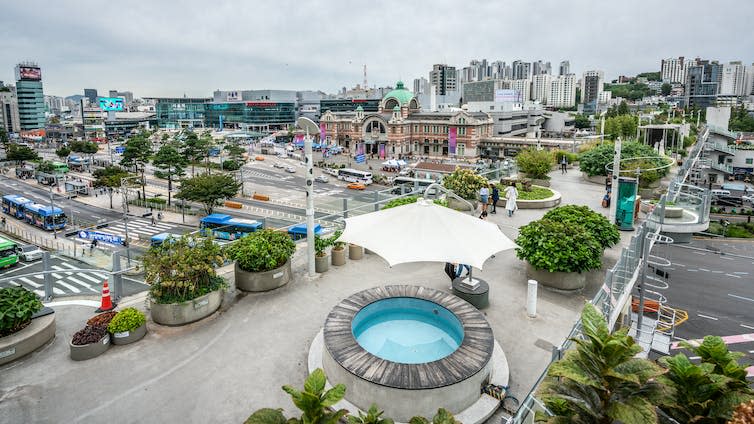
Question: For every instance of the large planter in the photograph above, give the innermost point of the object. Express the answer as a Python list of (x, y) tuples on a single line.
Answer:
[(338, 256), (562, 281), (321, 263), (186, 312), (91, 350), (458, 205), (265, 280), (131, 336), (355, 252), (540, 182), (35, 335), (549, 202)]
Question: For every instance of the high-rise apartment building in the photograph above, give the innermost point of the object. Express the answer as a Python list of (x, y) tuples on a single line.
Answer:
[(702, 83), (592, 84), (562, 91), (31, 102), (443, 78), (54, 104), (421, 86), (521, 70), (565, 68), (540, 87), (91, 95), (9, 109), (539, 68), (733, 79), (523, 87), (749, 81), (499, 70), (673, 70)]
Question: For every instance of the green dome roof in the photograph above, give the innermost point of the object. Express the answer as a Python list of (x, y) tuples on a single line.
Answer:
[(396, 108), (400, 93), (359, 108)]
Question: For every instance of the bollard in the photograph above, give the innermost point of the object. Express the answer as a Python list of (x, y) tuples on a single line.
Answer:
[(376, 201), (345, 208), (47, 275), (531, 299)]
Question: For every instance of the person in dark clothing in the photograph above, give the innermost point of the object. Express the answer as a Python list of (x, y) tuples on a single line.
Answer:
[(450, 270), (495, 197), (563, 165)]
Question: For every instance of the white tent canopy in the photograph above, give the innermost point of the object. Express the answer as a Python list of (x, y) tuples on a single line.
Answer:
[(426, 232)]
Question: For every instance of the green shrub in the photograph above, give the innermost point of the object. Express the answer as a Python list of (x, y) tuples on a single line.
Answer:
[(558, 247), (598, 226), (17, 305), (262, 250), (126, 320), (536, 192), (231, 165), (571, 157), (535, 163), (593, 161), (465, 183), (410, 199), (156, 201)]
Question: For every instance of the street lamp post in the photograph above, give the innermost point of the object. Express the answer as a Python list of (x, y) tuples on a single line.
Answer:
[(52, 210), (308, 125)]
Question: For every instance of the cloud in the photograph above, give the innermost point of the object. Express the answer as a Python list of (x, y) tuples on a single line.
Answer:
[(193, 47)]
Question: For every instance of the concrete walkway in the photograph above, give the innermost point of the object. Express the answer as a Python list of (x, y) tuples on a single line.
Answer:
[(224, 367)]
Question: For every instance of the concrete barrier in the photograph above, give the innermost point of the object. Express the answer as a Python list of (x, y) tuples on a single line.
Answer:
[(263, 197), (35, 335), (232, 204)]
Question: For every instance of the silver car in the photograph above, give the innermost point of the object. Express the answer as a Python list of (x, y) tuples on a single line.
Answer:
[(29, 252), (290, 169), (321, 179)]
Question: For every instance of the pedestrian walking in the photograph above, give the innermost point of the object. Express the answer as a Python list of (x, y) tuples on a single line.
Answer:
[(450, 270), (495, 197), (484, 197), (3, 222), (460, 269), (563, 164), (511, 195)]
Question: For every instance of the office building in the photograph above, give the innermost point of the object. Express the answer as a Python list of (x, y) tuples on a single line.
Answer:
[(421, 86), (733, 79), (562, 92), (54, 104), (749, 81), (443, 78), (479, 91), (127, 96), (673, 70), (521, 70), (91, 94), (349, 105), (565, 68), (9, 109), (180, 112), (702, 86), (540, 87), (31, 102), (592, 84)]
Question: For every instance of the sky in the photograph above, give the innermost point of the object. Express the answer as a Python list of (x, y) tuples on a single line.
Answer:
[(171, 48)]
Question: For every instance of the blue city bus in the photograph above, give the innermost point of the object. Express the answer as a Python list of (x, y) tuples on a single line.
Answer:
[(298, 231), (225, 227), (158, 239), (44, 217), (13, 204)]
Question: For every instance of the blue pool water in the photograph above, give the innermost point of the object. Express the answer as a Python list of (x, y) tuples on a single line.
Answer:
[(407, 330)]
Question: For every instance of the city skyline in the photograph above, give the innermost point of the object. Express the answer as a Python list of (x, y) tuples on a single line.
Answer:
[(160, 50)]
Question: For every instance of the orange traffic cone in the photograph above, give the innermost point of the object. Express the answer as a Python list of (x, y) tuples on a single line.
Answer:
[(107, 303)]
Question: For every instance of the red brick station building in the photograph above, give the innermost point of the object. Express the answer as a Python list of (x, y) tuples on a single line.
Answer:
[(405, 130)]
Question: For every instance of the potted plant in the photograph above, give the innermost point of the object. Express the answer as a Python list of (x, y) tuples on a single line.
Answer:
[(127, 326), (338, 251), (465, 183), (355, 252), (25, 324), (263, 260), (558, 253), (184, 286), (321, 264), (536, 164), (90, 342)]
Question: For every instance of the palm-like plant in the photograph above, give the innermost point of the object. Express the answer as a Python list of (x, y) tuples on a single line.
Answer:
[(601, 381), (710, 391), (373, 416)]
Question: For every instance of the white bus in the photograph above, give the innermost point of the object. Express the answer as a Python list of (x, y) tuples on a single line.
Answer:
[(355, 176), (410, 183)]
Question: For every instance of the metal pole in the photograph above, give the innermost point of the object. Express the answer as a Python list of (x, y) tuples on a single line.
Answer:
[(376, 201), (616, 179), (117, 277), (345, 208), (47, 275), (52, 205), (640, 287), (309, 203), (123, 184)]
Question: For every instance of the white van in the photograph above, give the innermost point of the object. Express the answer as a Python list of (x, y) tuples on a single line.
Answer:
[(718, 193)]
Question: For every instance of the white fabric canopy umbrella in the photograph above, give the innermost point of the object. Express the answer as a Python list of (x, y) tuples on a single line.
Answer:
[(426, 232)]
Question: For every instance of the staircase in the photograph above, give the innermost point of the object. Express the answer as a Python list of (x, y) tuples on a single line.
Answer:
[(722, 167)]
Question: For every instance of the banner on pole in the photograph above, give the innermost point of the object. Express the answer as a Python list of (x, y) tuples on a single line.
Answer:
[(452, 135), (382, 150), (322, 132)]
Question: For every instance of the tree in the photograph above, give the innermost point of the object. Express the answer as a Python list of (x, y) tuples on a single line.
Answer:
[(621, 126), (601, 380), (16, 152), (63, 152), (208, 189), (623, 108), (581, 121), (87, 147), (137, 154), (535, 163), (3, 136), (109, 177), (665, 89), (235, 152), (740, 120), (207, 144), (194, 148), (171, 163)]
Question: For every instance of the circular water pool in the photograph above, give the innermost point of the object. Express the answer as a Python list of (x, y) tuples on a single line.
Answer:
[(407, 330)]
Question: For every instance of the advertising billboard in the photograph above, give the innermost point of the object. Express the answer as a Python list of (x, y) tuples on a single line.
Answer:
[(506, 95), (111, 103), (29, 73)]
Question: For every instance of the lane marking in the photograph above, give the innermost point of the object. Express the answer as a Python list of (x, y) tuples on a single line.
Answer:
[(733, 275), (707, 316), (700, 253), (81, 283), (741, 272), (681, 265), (717, 272), (703, 269), (741, 297), (692, 270), (747, 326), (68, 286), (734, 339), (90, 278), (31, 283)]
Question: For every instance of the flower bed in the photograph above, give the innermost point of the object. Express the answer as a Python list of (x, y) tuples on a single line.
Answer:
[(536, 193)]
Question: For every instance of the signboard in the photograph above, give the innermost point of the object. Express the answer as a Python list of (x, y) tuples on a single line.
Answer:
[(232, 96), (452, 139), (111, 103), (260, 104), (103, 237), (506, 95), (29, 73), (120, 149), (360, 158)]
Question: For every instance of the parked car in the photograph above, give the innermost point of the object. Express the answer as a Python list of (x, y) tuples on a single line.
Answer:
[(29, 252), (727, 201), (356, 186), (321, 179), (290, 169), (749, 198), (278, 165)]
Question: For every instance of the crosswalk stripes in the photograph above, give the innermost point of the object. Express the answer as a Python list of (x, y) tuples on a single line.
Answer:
[(140, 227), (65, 280)]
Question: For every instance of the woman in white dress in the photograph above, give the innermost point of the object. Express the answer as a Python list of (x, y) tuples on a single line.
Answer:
[(511, 194)]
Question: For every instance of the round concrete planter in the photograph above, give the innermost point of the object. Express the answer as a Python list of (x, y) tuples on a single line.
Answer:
[(321, 263), (265, 280), (596, 179), (35, 335), (338, 256), (549, 202), (355, 252), (186, 312), (91, 350), (562, 281), (458, 205), (131, 336), (541, 183)]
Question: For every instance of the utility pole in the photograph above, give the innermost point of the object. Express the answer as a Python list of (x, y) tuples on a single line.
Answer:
[(309, 203), (616, 179), (124, 195), (52, 210)]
